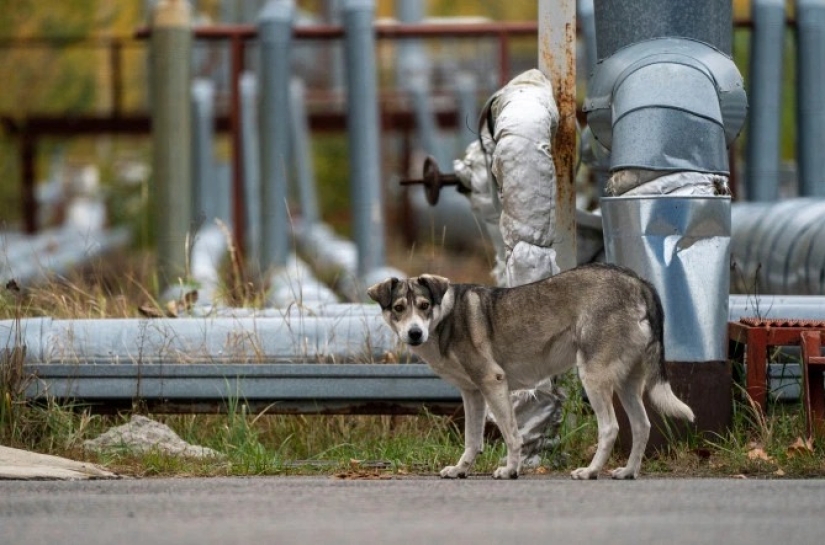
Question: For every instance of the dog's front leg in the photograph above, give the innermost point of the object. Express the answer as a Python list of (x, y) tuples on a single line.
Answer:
[(497, 393), (474, 409)]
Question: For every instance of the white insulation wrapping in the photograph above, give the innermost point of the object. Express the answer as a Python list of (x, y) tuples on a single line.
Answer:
[(512, 178), (473, 172), (526, 119), (631, 182), (518, 208)]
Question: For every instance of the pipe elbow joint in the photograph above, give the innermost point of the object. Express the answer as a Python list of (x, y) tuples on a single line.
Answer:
[(667, 104)]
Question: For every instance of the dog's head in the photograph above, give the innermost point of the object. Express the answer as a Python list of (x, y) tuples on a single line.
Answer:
[(413, 306)]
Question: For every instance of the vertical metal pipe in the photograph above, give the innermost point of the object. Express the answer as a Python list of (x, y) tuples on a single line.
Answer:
[(332, 16), (251, 144), (28, 154), (205, 193), (171, 45), (302, 150), (429, 138), (238, 212), (116, 68), (363, 134), (765, 93), (810, 103), (557, 61), (275, 37), (411, 59), (587, 22), (623, 22), (466, 95)]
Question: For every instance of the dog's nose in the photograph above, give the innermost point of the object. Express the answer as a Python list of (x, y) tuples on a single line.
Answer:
[(414, 335)]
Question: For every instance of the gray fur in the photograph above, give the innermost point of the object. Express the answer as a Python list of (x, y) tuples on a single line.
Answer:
[(488, 341)]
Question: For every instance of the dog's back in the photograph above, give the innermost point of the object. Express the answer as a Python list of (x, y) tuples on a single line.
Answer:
[(540, 328)]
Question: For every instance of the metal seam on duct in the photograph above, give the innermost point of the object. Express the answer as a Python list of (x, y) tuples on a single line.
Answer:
[(633, 93)]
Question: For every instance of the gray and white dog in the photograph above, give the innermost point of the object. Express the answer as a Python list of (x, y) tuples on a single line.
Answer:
[(488, 341)]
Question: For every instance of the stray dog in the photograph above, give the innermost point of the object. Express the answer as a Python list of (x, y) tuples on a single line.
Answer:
[(488, 341)]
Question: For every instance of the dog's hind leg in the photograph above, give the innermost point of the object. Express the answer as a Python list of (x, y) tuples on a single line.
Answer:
[(497, 394), (630, 394), (474, 410), (600, 394)]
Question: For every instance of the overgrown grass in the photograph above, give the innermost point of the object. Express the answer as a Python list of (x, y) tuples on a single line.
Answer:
[(376, 446), (771, 445), (347, 446)]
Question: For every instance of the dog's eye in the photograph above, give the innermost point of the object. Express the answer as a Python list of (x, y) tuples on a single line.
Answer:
[(424, 305), (398, 308)]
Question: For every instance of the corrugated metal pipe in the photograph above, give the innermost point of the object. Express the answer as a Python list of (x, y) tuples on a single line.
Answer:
[(779, 248)]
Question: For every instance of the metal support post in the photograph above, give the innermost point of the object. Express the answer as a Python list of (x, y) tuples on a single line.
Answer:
[(767, 50), (251, 144), (204, 182), (810, 103), (171, 45), (557, 61), (302, 150), (275, 35), (363, 133)]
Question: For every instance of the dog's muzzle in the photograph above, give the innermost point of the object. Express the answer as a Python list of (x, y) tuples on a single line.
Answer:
[(415, 336)]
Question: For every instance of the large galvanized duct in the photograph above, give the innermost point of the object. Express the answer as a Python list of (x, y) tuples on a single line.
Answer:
[(676, 244), (682, 246), (666, 105), (666, 100)]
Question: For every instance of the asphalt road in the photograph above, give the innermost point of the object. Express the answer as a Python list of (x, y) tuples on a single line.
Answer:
[(412, 510)]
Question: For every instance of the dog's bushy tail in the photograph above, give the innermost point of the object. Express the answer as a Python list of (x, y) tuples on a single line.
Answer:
[(667, 403), (659, 390)]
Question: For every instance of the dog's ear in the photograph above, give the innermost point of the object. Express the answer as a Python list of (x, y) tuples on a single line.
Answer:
[(381, 292), (437, 285)]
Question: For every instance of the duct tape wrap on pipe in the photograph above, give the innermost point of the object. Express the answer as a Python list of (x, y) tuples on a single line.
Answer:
[(681, 245)]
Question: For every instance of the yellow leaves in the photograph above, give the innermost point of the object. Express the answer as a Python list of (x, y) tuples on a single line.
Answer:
[(357, 472), (756, 452), (801, 447)]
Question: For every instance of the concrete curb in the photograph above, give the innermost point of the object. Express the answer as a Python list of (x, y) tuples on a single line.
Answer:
[(16, 464)]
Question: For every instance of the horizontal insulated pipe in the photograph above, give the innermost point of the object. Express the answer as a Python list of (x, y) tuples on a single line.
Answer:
[(779, 248), (288, 339), (37, 258)]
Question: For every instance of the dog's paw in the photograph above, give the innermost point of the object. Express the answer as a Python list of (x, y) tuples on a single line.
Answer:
[(583, 474), (505, 473), (624, 473), (453, 472)]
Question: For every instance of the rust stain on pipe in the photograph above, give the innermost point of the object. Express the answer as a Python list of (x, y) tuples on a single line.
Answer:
[(557, 60)]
